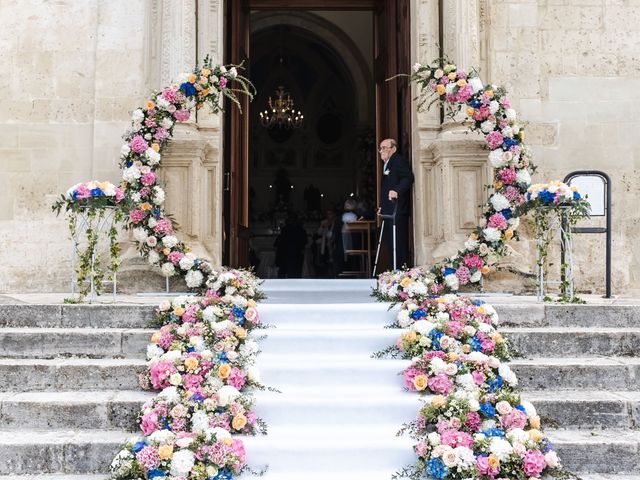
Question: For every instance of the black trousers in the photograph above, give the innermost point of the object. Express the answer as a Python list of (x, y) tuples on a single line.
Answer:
[(402, 240)]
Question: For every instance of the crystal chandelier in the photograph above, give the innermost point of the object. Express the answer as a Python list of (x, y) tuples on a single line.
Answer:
[(281, 113)]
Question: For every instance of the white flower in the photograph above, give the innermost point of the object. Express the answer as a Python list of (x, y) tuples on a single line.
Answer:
[(507, 374), (182, 463), (158, 195), (434, 438), (140, 234), (511, 114), (168, 269), (496, 158), (152, 241), (166, 123), (416, 67), (404, 320), (500, 448), (131, 174), (423, 327), (437, 365), (499, 202), (476, 84), (438, 74), (233, 73), (170, 394), (221, 434), (223, 69), (122, 463), (523, 177), (186, 262), (135, 197), (416, 288), (450, 458), (153, 257), (494, 106), (476, 277), (514, 222), (529, 409), (452, 281), (503, 407), (199, 421), (253, 374), (552, 459), (474, 405), (175, 379), (137, 115), (164, 306), (248, 348), (518, 435), (162, 104), (487, 126), (153, 157), (449, 88), (194, 278), (471, 244), (492, 234), (169, 241), (162, 437), (152, 222), (227, 394), (125, 150), (466, 382), (154, 351), (466, 458), (507, 132)]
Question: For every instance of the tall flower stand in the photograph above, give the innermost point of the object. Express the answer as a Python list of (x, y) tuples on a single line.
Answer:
[(88, 226), (549, 222)]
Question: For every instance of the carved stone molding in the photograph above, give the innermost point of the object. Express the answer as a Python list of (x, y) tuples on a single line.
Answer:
[(178, 38)]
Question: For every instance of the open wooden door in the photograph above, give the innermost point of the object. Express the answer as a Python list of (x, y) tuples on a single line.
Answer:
[(392, 56), (236, 178)]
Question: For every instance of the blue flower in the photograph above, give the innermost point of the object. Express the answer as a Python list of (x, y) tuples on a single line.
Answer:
[(449, 271), (197, 397), (419, 313), (488, 410), (129, 163), (238, 312), (476, 345), (576, 196), (475, 104), (521, 408), (74, 195), (156, 473), (510, 142), (546, 196), (165, 424), (477, 302), (224, 474), (188, 89), (139, 446), (96, 192), (223, 357), (506, 213), (495, 383), (196, 262), (156, 212), (436, 468), (191, 349), (493, 432), (435, 336)]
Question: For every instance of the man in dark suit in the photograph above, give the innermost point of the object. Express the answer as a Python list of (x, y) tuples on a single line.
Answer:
[(397, 179)]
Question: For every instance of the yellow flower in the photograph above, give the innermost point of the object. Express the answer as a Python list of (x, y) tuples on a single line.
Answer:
[(205, 72), (470, 111), (150, 105), (224, 370), (498, 184), (166, 251), (452, 76), (481, 310), (473, 236), (521, 134), (452, 356), (227, 441), (493, 461), (437, 401), (489, 93), (155, 338), (155, 147), (406, 281), (179, 311), (535, 435), (146, 206), (508, 234), (485, 269), (411, 336), (441, 300), (241, 333), (466, 349), (251, 303), (239, 422), (204, 92), (498, 338), (420, 382), (165, 451), (191, 363), (192, 78), (440, 89), (535, 422), (462, 82)]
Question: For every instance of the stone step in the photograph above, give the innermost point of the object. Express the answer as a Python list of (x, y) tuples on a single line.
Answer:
[(286, 449), (356, 305), (338, 406), (65, 342), (574, 342)]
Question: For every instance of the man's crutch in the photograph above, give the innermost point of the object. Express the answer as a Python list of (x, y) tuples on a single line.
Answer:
[(391, 217)]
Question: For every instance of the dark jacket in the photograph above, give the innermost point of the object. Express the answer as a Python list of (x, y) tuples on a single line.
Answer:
[(400, 179)]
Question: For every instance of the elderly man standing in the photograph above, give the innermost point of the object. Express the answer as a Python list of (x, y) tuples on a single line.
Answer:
[(397, 179)]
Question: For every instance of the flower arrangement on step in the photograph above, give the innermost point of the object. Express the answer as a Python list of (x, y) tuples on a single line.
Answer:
[(202, 361), (557, 207), (473, 424), (92, 207)]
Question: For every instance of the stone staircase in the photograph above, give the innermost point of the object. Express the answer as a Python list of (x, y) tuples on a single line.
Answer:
[(68, 377)]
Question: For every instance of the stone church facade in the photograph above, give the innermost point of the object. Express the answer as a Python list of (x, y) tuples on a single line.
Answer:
[(74, 70)]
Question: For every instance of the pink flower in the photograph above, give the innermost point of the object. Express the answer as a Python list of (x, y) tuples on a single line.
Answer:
[(512, 193), (237, 378), (148, 178), (170, 95), (514, 419), (481, 114), (485, 469), (149, 423), (488, 346), (178, 425), (150, 122), (161, 134), (182, 115), (160, 373), (192, 381), (464, 93), (138, 144), (505, 102), (508, 175), (166, 339), (463, 275), (144, 192), (478, 377), (455, 438), (163, 227), (83, 191), (223, 82), (119, 194), (175, 257), (494, 140), (440, 384), (498, 221), (422, 448), (473, 421), (409, 374), (454, 328), (473, 261), (533, 463), (136, 216), (149, 457)]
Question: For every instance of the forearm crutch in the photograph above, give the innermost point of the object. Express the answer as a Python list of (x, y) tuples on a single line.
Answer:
[(391, 217)]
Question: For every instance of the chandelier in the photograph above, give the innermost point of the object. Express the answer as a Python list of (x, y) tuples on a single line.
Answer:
[(281, 113)]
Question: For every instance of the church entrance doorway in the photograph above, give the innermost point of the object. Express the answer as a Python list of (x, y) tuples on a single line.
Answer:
[(290, 176)]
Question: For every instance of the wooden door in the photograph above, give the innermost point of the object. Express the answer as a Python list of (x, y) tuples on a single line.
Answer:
[(236, 196)]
